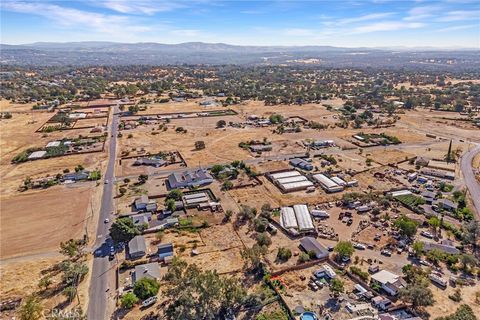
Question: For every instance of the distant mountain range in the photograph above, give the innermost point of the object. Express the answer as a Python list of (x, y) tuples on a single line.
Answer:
[(149, 53)]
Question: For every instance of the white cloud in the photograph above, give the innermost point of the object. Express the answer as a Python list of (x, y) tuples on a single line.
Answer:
[(368, 17), (455, 28), (460, 15), (421, 13), (388, 26), (140, 6), (70, 17)]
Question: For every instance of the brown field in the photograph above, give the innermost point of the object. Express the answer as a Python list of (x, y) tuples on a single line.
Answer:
[(423, 121), (96, 122), (13, 174), (37, 222), (385, 157), (20, 277), (8, 106), (445, 306)]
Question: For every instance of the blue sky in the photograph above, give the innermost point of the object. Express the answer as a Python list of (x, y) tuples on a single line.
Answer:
[(346, 23)]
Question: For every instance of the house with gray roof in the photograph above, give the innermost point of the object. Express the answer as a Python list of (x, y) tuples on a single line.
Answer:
[(445, 246), (447, 204), (148, 270), (137, 247), (141, 219), (189, 179), (141, 202)]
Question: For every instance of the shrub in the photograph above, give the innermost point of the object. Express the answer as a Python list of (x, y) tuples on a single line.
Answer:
[(146, 288), (263, 239), (284, 254), (128, 300), (357, 271)]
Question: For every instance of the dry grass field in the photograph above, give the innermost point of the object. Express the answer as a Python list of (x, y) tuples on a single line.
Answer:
[(37, 222)]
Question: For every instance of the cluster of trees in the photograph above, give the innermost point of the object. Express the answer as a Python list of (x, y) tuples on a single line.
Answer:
[(196, 294), (123, 230), (142, 289), (72, 271)]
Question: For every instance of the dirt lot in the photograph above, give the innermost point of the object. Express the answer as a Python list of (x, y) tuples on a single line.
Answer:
[(37, 222), (20, 277), (423, 121), (298, 293), (445, 305)]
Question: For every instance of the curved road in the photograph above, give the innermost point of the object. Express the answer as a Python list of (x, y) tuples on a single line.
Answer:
[(469, 177), (102, 285)]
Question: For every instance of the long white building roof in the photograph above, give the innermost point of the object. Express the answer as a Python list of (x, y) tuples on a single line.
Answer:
[(324, 181), (291, 179), (338, 181), (286, 174), (297, 185), (288, 219), (303, 217), (194, 195)]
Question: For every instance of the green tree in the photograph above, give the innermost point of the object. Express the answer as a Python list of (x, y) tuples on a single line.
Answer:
[(196, 294), (175, 194), (418, 247), (434, 223), (448, 156), (123, 230), (418, 294), (199, 145), (45, 282), (336, 287), (406, 226), (464, 312), (227, 185), (72, 248), (276, 118), (128, 300), (221, 123), (344, 249), (253, 256), (142, 178), (170, 205), (30, 309), (263, 239), (146, 288), (284, 254)]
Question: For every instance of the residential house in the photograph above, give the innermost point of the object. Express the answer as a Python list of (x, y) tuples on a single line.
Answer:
[(137, 247), (141, 202), (76, 176), (382, 303), (148, 270), (428, 196), (390, 282), (445, 246), (447, 204), (141, 219), (189, 179)]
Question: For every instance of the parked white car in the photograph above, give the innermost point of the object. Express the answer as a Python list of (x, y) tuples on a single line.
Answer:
[(149, 301)]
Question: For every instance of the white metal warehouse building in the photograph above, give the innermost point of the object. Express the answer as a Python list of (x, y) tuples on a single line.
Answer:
[(327, 184), (290, 181)]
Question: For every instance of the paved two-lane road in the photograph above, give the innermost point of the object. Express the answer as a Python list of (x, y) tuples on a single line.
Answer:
[(103, 275), (469, 177)]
